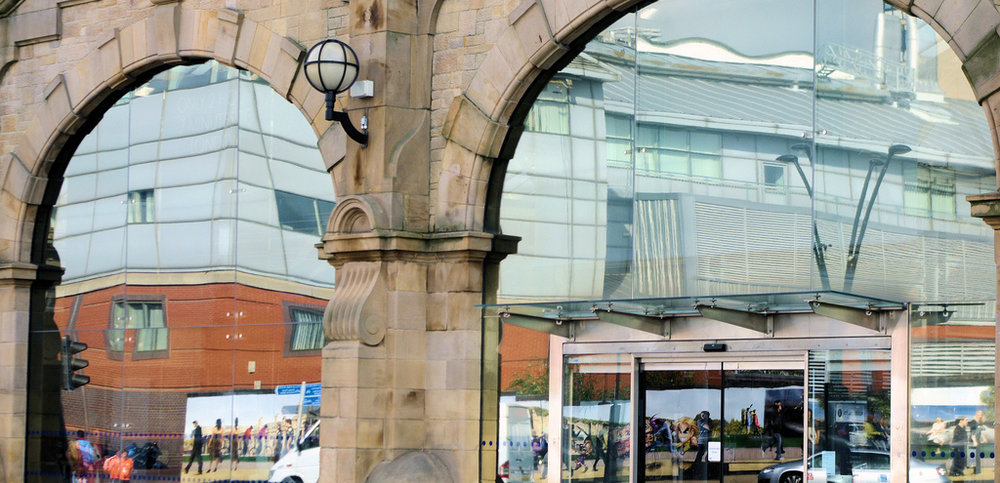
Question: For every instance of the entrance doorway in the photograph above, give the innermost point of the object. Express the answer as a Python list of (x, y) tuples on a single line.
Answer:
[(754, 413), (715, 420)]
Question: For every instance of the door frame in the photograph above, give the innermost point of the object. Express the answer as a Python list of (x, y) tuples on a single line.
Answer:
[(896, 340), (787, 359)]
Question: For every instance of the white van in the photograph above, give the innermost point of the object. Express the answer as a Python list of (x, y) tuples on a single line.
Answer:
[(514, 455), (301, 463)]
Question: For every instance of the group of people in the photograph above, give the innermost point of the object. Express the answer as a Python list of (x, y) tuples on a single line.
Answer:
[(965, 438), (88, 465), (603, 445), (264, 439), (678, 437), (589, 445)]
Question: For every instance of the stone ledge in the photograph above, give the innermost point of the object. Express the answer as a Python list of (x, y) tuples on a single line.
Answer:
[(17, 273), (987, 207), (387, 245)]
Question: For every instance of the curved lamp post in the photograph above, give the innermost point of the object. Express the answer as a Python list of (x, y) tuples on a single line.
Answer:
[(854, 249), (819, 250), (331, 67)]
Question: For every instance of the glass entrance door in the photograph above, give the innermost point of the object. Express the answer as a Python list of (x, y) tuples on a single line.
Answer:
[(764, 417), (720, 420)]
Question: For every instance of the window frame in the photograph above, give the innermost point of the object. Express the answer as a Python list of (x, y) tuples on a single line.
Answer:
[(145, 198), (781, 188), (319, 220), (290, 326), (137, 355)]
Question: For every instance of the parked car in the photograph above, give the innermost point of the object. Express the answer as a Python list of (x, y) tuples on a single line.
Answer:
[(867, 465), (301, 463)]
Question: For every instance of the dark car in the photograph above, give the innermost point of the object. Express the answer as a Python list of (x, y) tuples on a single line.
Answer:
[(867, 465)]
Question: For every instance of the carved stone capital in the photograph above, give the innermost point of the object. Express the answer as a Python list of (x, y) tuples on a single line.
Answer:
[(362, 251)]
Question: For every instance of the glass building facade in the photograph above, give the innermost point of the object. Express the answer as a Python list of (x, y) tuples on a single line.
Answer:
[(759, 260), (184, 231), (746, 255)]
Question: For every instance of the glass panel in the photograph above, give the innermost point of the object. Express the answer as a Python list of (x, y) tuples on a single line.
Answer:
[(275, 409), (596, 420), (763, 419), (682, 410), (285, 197), (849, 418), (891, 180), (146, 228), (952, 368)]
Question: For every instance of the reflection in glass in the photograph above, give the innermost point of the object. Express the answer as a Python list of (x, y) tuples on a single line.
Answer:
[(172, 234), (952, 368), (735, 162), (682, 411), (848, 415), (146, 317), (596, 419)]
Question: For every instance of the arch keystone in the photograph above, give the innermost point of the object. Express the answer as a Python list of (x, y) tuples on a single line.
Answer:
[(229, 24), (198, 33)]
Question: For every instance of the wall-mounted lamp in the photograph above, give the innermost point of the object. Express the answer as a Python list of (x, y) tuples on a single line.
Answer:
[(331, 67)]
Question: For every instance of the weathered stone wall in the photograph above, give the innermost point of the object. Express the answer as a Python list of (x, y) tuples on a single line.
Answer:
[(414, 367)]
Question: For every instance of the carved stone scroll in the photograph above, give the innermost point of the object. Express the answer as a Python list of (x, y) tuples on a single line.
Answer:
[(357, 310)]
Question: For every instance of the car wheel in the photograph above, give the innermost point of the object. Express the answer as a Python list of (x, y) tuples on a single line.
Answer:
[(792, 477), (292, 479)]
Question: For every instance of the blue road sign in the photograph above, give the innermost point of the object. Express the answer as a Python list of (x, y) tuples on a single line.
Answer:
[(310, 401), (313, 389)]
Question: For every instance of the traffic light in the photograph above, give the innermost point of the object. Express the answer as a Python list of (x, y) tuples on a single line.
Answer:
[(71, 364)]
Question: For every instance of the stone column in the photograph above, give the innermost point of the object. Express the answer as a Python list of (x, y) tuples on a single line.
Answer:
[(15, 287), (987, 207), (402, 377)]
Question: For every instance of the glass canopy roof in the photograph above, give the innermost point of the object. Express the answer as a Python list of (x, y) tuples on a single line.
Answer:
[(762, 303)]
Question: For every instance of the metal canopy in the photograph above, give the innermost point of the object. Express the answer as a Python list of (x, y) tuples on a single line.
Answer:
[(657, 325), (541, 324), (757, 320), (654, 315)]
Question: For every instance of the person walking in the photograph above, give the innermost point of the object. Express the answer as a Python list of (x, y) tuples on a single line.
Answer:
[(772, 431), (704, 422), (82, 458), (215, 446), (959, 443), (976, 427), (234, 445), (196, 443)]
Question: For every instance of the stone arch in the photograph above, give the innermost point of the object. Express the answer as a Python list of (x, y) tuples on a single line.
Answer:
[(74, 100), (542, 35)]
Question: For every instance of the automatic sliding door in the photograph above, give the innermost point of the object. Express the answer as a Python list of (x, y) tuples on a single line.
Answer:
[(764, 415), (720, 421), (682, 404)]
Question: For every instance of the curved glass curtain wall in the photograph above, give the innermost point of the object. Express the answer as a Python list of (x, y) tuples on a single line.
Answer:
[(686, 182), (185, 228), (694, 151)]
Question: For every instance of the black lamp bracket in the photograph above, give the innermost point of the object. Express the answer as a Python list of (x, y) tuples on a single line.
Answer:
[(360, 137)]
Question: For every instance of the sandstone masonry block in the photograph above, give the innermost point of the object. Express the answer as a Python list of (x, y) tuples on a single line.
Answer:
[(33, 27)]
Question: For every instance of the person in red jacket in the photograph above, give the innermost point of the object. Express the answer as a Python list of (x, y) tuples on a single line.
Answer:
[(125, 466), (111, 466), (119, 467)]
